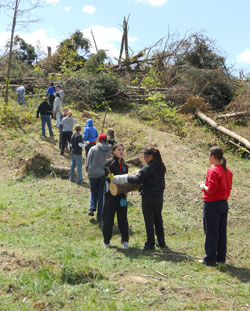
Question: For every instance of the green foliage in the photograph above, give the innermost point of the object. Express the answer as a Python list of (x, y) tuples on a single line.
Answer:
[(78, 275), (95, 63), (24, 51), (151, 80), (94, 90), (159, 112), (15, 118)]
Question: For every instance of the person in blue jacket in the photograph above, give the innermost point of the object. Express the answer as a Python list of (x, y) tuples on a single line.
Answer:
[(50, 94), (89, 135), (152, 180)]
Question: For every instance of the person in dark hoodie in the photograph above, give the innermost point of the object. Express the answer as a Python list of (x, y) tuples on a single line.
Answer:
[(45, 111), (115, 204), (89, 135), (95, 164), (152, 179)]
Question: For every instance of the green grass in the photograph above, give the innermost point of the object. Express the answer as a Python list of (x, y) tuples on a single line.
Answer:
[(52, 253)]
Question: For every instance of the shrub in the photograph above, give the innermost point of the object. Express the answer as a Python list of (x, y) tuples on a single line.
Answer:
[(78, 275)]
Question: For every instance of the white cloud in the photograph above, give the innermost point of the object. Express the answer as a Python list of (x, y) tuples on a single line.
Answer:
[(51, 1), (67, 8), (244, 57), (152, 2), (4, 38), (89, 9), (36, 38), (108, 39)]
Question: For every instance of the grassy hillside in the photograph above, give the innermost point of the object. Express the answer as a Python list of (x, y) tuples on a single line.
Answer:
[(51, 252)]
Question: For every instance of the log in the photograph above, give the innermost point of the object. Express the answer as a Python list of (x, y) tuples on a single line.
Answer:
[(233, 115), (124, 188), (59, 170), (222, 129)]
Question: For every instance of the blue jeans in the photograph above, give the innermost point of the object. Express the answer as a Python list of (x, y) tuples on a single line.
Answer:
[(76, 161), (46, 119), (21, 98), (96, 194)]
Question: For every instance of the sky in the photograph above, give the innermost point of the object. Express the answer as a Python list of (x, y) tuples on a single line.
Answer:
[(227, 22)]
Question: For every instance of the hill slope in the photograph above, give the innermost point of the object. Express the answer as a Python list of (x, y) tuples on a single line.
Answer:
[(52, 255)]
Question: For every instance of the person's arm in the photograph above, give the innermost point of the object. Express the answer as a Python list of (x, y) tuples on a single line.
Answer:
[(38, 111)]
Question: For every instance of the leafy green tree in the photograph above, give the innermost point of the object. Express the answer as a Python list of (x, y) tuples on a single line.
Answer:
[(96, 61), (24, 51)]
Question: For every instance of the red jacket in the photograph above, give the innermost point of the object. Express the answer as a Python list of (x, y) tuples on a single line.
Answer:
[(219, 183)]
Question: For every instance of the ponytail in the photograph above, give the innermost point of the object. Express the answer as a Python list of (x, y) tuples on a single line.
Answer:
[(224, 163), (156, 156)]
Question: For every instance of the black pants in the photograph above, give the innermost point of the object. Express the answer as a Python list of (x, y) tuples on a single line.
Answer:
[(215, 227), (114, 204), (151, 209), (66, 136), (89, 145), (51, 100)]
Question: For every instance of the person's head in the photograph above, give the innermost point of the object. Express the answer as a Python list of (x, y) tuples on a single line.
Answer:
[(65, 111), (89, 123), (216, 157), (102, 138), (69, 114), (118, 151), (58, 95), (110, 133), (78, 128), (51, 84), (45, 99), (153, 154), (58, 87)]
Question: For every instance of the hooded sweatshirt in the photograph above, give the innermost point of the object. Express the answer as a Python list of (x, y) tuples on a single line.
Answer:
[(90, 132), (96, 159)]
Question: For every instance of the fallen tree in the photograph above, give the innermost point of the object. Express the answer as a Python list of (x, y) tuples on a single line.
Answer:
[(239, 139), (233, 115)]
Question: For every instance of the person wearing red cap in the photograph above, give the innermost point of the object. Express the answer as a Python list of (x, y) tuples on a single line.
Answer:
[(95, 167)]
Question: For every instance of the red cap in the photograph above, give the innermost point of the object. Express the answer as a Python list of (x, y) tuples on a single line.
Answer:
[(102, 137)]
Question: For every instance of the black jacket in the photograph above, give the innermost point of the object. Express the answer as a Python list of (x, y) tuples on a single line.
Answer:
[(113, 167), (152, 179), (74, 141), (44, 109)]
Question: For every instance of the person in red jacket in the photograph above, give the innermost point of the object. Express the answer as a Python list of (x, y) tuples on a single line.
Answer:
[(215, 209)]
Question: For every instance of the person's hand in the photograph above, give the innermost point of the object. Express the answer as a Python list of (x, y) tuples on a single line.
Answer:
[(202, 186), (120, 179)]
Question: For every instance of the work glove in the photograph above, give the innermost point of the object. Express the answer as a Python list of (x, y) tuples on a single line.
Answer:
[(202, 186), (120, 179), (81, 145)]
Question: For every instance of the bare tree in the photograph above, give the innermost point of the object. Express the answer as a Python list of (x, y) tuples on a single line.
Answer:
[(20, 11)]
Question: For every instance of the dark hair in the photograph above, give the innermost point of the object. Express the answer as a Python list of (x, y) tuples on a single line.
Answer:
[(156, 156), (111, 133), (52, 84), (113, 149), (58, 95), (217, 152), (58, 86)]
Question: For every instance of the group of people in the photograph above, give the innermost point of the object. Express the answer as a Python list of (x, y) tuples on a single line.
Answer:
[(105, 164)]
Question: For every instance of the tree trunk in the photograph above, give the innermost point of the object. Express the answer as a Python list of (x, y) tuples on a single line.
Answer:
[(223, 130), (10, 52), (233, 115)]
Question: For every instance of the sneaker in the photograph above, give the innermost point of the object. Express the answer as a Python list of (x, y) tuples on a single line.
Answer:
[(82, 182), (106, 245), (148, 248), (125, 245), (91, 212)]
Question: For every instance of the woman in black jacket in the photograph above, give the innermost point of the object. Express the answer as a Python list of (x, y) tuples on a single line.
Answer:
[(115, 204), (152, 179)]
